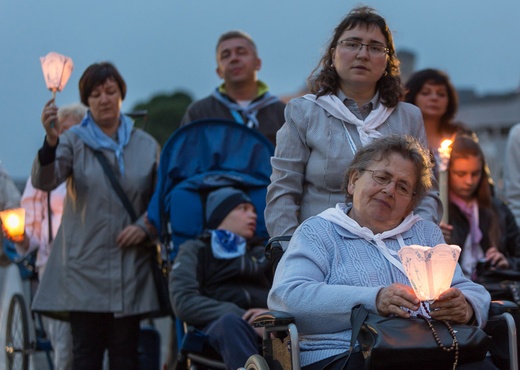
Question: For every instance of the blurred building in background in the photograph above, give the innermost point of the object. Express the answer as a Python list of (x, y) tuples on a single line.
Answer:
[(491, 117)]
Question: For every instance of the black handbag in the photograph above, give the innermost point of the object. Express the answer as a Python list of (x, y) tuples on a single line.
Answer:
[(160, 266), (502, 284), (416, 342)]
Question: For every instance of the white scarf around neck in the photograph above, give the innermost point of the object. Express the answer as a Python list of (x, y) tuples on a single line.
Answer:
[(367, 128), (338, 216)]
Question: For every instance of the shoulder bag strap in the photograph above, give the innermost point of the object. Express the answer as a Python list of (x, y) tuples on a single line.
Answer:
[(49, 216), (115, 184), (357, 318)]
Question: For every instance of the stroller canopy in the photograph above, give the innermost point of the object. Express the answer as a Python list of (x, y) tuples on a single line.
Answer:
[(199, 158)]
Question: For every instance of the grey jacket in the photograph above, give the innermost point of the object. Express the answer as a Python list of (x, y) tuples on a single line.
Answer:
[(86, 270), (512, 171), (270, 118), (311, 157)]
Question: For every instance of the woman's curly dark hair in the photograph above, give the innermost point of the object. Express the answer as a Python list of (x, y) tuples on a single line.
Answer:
[(324, 80)]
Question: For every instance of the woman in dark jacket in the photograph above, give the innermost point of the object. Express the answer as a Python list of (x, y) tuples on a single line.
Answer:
[(482, 225)]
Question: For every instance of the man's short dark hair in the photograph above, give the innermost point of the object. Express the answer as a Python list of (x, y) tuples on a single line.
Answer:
[(236, 34)]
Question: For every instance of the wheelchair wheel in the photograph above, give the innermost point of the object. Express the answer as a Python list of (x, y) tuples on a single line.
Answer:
[(17, 335), (256, 362)]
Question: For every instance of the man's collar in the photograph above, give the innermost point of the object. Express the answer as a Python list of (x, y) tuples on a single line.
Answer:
[(262, 89)]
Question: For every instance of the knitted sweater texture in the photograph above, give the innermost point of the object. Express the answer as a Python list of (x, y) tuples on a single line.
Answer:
[(327, 270)]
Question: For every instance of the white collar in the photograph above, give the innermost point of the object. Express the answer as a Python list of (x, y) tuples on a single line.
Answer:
[(367, 128), (338, 216)]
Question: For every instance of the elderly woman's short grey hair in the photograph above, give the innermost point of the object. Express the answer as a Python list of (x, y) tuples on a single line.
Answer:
[(75, 110), (406, 146)]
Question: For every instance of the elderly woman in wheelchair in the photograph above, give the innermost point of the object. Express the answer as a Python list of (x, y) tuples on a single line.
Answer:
[(347, 256)]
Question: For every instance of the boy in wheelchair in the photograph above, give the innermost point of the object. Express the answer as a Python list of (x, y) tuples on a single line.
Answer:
[(220, 281)]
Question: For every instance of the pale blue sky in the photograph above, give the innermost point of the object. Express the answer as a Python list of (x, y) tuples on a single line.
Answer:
[(167, 45)]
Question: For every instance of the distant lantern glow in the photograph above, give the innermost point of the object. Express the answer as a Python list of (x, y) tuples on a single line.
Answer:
[(13, 221), (57, 69)]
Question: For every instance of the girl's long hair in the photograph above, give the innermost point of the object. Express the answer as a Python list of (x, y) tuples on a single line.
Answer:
[(465, 146)]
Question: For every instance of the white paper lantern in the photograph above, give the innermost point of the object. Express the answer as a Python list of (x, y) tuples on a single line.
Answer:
[(430, 269)]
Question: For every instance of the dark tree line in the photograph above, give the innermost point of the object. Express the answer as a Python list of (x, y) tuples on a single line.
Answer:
[(162, 114)]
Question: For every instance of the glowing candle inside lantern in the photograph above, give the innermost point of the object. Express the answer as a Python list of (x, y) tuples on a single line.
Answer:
[(444, 154), (13, 221), (430, 270), (57, 69)]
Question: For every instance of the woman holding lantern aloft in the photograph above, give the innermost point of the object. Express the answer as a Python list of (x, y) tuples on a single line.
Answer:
[(99, 270), (482, 225)]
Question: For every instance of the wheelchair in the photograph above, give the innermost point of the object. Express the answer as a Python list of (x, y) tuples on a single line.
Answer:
[(280, 346), (24, 331), (281, 343), (197, 159)]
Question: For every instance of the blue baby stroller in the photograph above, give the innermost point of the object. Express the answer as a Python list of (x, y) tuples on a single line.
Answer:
[(197, 159)]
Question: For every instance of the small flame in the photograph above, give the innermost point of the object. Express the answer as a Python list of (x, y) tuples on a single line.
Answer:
[(446, 144), (13, 221), (444, 154)]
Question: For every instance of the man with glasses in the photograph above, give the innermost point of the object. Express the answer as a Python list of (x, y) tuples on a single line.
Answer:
[(242, 97)]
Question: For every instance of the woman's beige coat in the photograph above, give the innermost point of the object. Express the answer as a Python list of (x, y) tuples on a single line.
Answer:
[(86, 270)]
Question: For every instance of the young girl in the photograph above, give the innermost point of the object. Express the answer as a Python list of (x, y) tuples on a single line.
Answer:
[(482, 225)]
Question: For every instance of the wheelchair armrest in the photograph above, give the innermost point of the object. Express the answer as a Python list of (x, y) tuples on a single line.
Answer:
[(274, 249), (273, 318), (499, 307)]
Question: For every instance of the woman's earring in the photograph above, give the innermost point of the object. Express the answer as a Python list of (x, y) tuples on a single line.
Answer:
[(332, 65), (385, 74)]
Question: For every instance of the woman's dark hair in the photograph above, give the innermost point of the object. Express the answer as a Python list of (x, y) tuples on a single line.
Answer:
[(97, 74), (324, 80), (406, 146), (416, 82)]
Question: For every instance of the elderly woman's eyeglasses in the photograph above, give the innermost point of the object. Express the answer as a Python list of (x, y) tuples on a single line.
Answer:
[(384, 178), (353, 46)]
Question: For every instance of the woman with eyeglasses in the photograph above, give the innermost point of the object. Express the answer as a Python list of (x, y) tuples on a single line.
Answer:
[(356, 92), (347, 255)]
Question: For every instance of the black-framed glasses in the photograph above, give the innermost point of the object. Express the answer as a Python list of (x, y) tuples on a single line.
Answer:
[(384, 178), (353, 46)]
